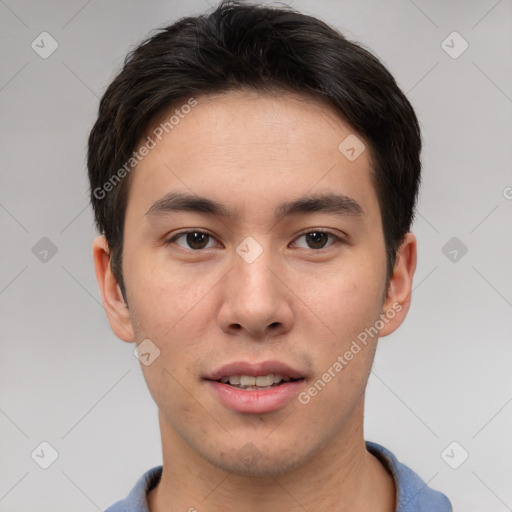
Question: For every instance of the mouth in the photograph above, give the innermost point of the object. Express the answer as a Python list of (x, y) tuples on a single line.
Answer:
[(259, 382), (255, 387)]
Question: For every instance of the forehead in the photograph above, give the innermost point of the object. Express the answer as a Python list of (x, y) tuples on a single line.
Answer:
[(242, 144)]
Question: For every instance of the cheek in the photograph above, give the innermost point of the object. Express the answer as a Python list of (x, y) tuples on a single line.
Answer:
[(174, 310), (345, 352), (349, 307), (167, 300), (347, 299)]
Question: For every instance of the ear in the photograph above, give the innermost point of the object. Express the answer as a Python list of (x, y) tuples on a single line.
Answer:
[(398, 297), (113, 301)]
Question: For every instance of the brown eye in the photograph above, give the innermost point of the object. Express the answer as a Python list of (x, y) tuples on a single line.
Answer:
[(195, 240), (317, 239)]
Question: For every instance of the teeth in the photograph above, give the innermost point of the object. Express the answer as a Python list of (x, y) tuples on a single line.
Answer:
[(266, 380), (247, 381)]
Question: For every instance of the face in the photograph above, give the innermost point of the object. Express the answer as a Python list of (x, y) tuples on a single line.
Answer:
[(267, 285)]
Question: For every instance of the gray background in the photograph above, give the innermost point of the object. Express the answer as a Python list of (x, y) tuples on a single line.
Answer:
[(65, 379)]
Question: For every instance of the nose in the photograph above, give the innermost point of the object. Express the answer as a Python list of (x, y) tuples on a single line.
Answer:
[(255, 299)]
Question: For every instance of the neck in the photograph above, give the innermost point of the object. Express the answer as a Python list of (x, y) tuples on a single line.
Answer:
[(343, 477)]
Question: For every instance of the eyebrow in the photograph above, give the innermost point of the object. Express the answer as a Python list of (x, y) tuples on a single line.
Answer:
[(337, 204)]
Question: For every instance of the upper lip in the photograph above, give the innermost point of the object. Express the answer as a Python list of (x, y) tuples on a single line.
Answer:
[(254, 370)]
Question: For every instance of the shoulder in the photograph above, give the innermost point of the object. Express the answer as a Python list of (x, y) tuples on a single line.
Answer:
[(413, 494), (136, 500)]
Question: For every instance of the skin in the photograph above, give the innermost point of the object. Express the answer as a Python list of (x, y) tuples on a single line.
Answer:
[(295, 303)]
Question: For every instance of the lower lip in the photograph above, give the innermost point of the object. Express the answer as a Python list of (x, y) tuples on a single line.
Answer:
[(256, 401)]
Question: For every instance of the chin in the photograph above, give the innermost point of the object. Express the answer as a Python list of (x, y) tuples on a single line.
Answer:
[(253, 462)]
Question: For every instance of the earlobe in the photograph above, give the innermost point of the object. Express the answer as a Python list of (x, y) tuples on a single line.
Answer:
[(113, 301), (398, 299)]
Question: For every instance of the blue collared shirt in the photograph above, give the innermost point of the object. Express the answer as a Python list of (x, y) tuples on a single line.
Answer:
[(412, 493)]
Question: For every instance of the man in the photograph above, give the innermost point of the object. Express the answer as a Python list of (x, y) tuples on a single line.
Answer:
[(254, 176)]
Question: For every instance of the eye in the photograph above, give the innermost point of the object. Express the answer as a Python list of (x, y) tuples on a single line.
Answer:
[(195, 240), (317, 239)]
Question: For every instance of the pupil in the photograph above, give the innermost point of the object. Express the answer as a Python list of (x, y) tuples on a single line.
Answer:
[(196, 238), (314, 235)]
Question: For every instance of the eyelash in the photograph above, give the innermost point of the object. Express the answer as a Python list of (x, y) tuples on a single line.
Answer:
[(171, 240)]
